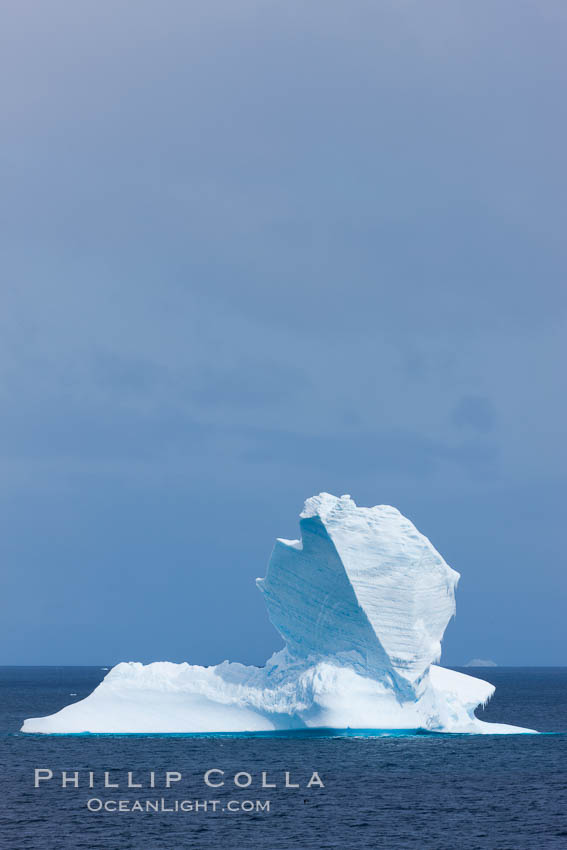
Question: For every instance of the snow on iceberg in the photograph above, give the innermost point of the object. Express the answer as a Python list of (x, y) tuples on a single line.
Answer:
[(362, 600)]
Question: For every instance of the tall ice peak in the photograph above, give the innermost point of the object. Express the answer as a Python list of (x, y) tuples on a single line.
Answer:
[(364, 587)]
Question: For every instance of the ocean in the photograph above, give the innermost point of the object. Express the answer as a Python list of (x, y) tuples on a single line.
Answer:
[(368, 790)]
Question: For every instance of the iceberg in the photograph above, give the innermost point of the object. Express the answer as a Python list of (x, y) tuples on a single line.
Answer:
[(361, 599)]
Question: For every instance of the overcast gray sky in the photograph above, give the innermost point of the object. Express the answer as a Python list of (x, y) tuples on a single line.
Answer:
[(255, 250)]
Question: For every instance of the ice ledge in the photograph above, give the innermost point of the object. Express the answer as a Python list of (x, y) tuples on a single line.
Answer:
[(183, 698)]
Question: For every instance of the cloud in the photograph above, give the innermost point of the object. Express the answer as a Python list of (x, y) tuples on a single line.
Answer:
[(395, 452), (475, 412), (249, 384)]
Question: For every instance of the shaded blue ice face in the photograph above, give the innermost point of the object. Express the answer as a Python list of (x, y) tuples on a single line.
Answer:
[(313, 605), (255, 251)]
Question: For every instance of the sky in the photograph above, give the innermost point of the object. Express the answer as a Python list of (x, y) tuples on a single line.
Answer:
[(252, 251)]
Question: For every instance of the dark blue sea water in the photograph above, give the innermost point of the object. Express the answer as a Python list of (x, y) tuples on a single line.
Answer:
[(407, 791)]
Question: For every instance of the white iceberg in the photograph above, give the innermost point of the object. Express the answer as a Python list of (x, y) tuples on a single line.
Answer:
[(361, 600)]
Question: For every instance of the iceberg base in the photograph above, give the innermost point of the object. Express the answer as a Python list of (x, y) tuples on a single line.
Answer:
[(286, 694)]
